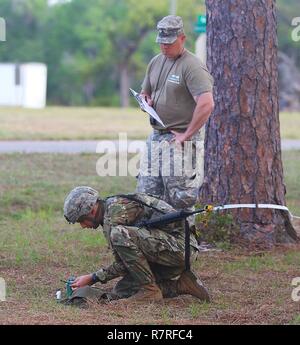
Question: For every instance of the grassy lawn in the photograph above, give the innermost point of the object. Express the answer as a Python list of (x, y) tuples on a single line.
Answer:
[(289, 125), (38, 248), (55, 123)]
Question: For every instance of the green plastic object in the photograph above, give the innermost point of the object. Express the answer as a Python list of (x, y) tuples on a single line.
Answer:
[(201, 24), (69, 290)]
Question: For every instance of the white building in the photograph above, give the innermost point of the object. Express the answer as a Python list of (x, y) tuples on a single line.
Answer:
[(23, 85), (57, 2)]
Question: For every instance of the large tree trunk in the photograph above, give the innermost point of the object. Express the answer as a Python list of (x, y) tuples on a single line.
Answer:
[(243, 152)]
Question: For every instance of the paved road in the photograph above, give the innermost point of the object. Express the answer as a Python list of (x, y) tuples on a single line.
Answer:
[(71, 146), (92, 146), (289, 144)]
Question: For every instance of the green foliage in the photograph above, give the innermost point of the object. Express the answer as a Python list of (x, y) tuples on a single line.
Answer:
[(286, 11), (86, 44), (253, 263), (216, 228)]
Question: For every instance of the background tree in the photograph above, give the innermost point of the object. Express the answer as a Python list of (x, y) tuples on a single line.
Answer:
[(287, 10), (25, 21), (95, 48), (243, 153), (128, 24)]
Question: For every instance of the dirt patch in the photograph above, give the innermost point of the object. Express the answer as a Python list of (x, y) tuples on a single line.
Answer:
[(243, 291)]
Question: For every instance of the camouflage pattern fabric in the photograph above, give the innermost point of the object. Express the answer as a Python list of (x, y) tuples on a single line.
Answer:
[(170, 22), (79, 202), (168, 29), (142, 256), (158, 174)]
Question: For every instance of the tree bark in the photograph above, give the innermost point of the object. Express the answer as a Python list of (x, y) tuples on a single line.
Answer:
[(242, 147)]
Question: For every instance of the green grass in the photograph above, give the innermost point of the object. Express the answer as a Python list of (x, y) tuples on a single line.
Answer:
[(32, 192), (289, 125), (254, 264), (291, 164), (54, 123), (38, 248), (197, 309), (295, 320), (65, 123)]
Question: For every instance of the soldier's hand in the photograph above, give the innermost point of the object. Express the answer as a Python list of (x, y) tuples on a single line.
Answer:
[(147, 98), (82, 281), (179, 137)]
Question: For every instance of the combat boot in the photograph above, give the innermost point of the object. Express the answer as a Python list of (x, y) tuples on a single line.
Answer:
[(147, 293), (189, 284)]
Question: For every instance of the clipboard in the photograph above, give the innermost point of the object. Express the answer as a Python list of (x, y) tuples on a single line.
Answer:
[(146, 107)]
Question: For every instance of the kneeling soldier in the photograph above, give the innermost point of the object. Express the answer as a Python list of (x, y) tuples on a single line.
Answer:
[(150, 262)]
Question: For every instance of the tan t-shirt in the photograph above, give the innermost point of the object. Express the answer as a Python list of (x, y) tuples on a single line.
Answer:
[(172, 85)]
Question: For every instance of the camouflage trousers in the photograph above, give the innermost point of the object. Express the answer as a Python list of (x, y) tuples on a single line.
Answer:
[(148, 256), (142, 257), (124, 288), (172, 172)]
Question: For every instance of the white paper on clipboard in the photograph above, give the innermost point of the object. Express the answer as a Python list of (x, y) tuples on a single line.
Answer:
[(146, 107)]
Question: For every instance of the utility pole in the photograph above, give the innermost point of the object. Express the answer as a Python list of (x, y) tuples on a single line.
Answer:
[(173, 7)]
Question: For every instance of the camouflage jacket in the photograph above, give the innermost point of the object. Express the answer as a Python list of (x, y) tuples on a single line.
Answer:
[(123, 210), (120, 210)]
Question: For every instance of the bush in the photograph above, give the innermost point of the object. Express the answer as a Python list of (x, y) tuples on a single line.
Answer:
[(216, 228)]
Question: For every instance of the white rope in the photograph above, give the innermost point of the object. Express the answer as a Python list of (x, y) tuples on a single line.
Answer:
[(272, 206)]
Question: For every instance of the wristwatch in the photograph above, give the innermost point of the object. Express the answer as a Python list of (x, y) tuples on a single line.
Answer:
[(95, 278)]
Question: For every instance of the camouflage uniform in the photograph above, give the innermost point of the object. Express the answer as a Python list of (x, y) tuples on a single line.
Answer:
[(159, 171), (168, 29), (172, 85), (142, 256)]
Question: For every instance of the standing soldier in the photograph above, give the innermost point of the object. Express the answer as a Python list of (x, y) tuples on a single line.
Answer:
[(179, 87)]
